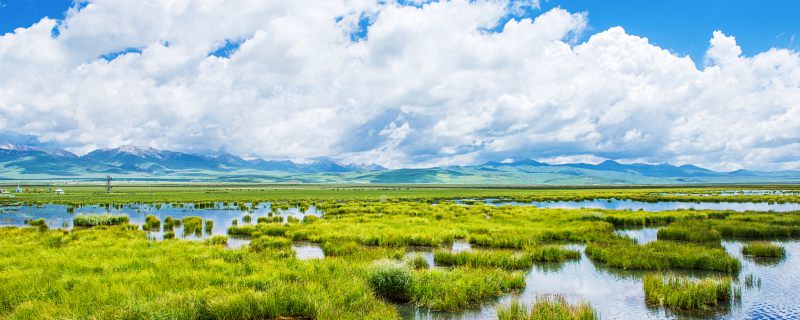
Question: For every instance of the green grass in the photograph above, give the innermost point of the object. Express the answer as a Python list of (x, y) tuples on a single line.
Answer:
[(217, 240), (416, 262), (547, 307), (117, 273), (680, 292), (763, 249), (204, 194), (270, 219), (392, 283), (267, 242), (690, 231), (92, 220), (151, 222), (40, 224), (340, 248), (739, 228), (661, 255), (509, 260), (170, 223), (192, 225), (479, 258), (458, 288)]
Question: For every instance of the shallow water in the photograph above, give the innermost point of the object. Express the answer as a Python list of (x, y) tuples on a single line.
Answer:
[(615, 204), (307, 251), (56, 216), (615, 294), (618, 294)]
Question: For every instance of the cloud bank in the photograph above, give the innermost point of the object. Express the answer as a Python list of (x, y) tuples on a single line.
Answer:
[(406, 83)]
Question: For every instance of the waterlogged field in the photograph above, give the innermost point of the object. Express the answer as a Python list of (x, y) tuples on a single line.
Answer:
[(366, 252)]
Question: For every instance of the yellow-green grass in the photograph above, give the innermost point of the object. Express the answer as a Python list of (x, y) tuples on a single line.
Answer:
[(116, 273), (690, 231), (763, 249), (206, 195), (91, 220), (683, 293), (151, 222), (510, 260), (547, 307), (624, 253)]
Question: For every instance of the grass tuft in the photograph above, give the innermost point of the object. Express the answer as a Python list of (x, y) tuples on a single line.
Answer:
[(92, 220), (763, 249), (547, 307), (683, 293), (390, 282)]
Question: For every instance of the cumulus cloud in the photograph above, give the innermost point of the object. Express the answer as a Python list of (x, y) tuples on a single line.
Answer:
[(406, 83)]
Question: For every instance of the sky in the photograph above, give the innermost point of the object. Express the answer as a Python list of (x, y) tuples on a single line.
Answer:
[(410, 83)]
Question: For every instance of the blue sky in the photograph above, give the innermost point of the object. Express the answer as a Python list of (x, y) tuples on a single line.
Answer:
[(410, 83), (681, 26)]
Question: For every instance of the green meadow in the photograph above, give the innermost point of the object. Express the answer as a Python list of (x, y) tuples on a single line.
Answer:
[(107, 268)]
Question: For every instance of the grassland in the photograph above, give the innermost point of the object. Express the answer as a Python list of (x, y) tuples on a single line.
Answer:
[(108, 269), (208, 193)]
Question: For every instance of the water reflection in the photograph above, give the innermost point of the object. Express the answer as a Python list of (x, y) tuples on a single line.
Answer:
[(307, 251), (618, 294), (615, 204), (59, 216), (461, 246)]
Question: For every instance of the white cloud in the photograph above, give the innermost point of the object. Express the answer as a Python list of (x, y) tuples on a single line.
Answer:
[(428, 84)]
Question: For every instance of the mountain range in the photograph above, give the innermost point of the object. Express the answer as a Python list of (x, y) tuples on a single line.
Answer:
[(22, 162)]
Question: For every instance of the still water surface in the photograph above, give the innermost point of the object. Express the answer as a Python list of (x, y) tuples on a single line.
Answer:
[(618, 294), (616, 204)]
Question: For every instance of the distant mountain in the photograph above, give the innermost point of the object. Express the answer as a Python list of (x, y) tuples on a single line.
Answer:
[(143, 163), (651, 170)]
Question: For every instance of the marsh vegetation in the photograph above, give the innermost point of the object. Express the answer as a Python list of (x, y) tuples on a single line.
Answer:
[(351, 254)]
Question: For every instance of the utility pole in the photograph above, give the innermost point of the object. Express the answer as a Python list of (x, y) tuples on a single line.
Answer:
[(108, 184)]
